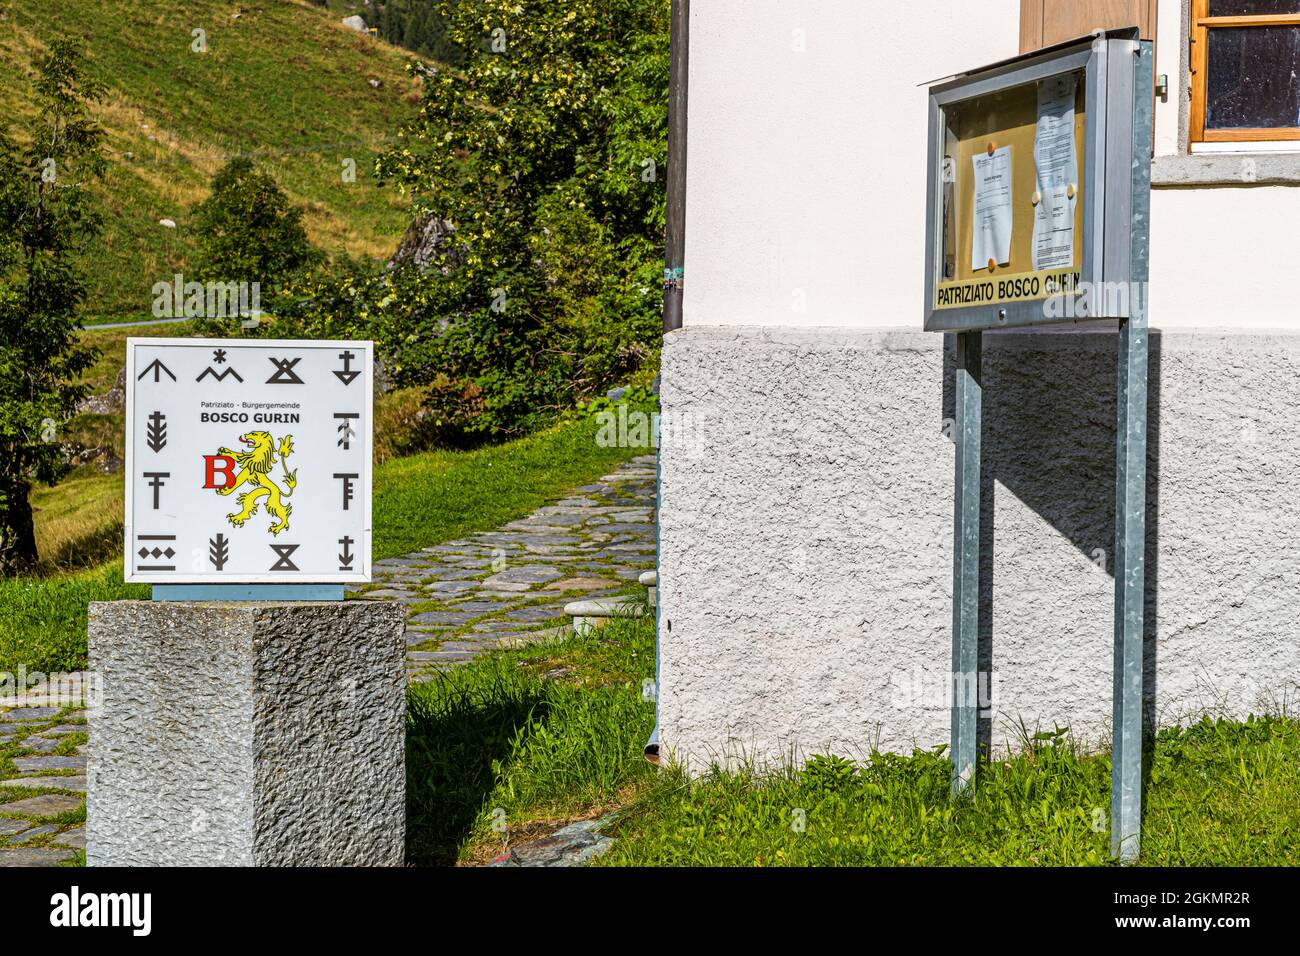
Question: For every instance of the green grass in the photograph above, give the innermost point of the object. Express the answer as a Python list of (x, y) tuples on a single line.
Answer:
[(419, 501), (541, 734), (44, 622), (555, 733), (440, 495), (1220, 794), (282, 81)]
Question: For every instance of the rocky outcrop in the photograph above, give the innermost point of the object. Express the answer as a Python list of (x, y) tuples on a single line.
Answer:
[(111, 402), (427, 244)]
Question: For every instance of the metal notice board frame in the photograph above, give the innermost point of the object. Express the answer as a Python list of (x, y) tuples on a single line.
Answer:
[(1116, 67)]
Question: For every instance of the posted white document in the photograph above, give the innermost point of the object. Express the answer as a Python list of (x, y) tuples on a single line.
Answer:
[(991, 225), (1058, 174)]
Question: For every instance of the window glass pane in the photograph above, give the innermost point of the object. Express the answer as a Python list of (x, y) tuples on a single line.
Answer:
[(1252, 8), (1254, 78)]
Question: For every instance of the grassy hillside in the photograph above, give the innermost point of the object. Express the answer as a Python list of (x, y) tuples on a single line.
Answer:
[(280, 80)]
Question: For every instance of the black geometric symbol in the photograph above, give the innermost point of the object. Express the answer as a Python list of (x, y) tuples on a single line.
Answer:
[(218, 551), (285, 551), (156, 552), (345, 430), (219, 356), (156, 483), (220, 376), (349, 492), (345, 558), (156, 433), (347, 374), (284, 373), (157, 367)]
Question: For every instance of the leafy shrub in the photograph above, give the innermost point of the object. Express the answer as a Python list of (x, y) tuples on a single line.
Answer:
[(544, 150), (247, 230)]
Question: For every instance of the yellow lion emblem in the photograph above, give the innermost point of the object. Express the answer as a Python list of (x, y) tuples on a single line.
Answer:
[(254, 468)]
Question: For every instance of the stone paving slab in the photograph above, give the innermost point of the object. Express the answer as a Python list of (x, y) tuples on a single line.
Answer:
[(39, 743), (32, 834), (46, 805), (580, 584), (31, 764), (29, 713), (36, 856), (535, 615), (76, 782), (572, 845)]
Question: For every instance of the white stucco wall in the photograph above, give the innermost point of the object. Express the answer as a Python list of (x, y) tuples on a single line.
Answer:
[(805, 587), (806, 172), (806, 177), (806, 506)]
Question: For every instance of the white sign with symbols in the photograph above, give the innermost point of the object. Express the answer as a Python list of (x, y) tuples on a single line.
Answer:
[(248, 461)]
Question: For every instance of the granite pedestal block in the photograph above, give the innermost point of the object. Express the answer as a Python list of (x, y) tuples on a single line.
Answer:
[(247, 734)]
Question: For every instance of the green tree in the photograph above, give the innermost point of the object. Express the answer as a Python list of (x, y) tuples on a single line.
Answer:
[(248, 230), (545, 150), (45, 219)]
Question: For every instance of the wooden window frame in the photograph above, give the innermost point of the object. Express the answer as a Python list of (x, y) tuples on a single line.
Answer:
[(1201, 25)]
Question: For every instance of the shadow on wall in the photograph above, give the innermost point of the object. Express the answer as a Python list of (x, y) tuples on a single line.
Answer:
[(1049, 439)]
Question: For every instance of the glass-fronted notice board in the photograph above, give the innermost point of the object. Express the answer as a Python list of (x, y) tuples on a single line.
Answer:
[(1030, 191), (1013, 186)]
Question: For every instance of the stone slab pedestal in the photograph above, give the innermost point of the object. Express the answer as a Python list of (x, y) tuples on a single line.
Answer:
[(247, 734)]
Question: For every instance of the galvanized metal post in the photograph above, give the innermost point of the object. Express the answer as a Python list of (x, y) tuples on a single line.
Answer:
[(969, 400), (1130, 498), (1130, 566), (675, 214)]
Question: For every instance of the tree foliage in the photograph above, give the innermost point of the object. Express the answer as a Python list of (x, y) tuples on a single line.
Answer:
[(545, 149), (45, 219), (248, 230)]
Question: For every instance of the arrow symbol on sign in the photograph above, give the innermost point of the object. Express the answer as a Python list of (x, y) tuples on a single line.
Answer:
[(345, 559), (345, 430), (347, 374), (157, 367), (218, 551), (157, 431)]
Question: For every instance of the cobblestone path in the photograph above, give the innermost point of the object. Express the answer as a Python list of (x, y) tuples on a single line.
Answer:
[(509, 586), (43, 810), (493, 589)]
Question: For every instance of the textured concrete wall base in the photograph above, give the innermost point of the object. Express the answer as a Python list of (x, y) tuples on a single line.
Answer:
[(247, 735), (806, 536)]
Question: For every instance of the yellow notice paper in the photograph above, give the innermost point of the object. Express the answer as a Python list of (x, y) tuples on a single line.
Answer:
[(991, 224)]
